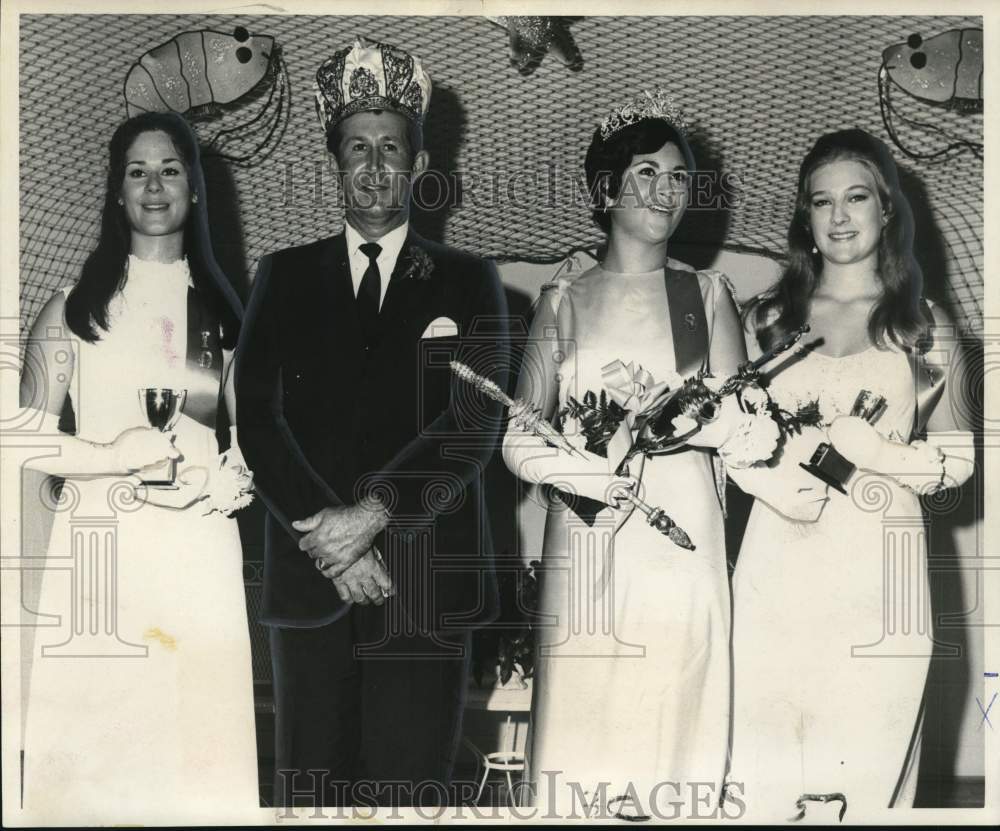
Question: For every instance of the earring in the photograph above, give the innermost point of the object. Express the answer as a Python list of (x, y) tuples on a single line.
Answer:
[(121, 201), (194, 198), (815, 250)]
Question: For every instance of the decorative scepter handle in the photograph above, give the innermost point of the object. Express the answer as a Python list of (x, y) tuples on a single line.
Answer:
[(750, 371), (521, 412), (661, 521)]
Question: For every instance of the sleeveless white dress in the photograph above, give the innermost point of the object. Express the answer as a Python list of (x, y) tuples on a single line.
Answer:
[(140, 701), (632, 678), (831, 621)]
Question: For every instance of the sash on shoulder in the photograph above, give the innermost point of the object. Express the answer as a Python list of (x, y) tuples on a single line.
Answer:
[(203, 360), (687, 320)]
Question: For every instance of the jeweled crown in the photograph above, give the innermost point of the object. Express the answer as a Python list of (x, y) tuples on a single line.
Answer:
[(658, 104), (372, 76)]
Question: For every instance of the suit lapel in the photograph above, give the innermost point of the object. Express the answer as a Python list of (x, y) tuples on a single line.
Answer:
[(406, 296)]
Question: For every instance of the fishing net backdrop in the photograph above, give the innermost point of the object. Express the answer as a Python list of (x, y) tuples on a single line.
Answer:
[(507, 150)]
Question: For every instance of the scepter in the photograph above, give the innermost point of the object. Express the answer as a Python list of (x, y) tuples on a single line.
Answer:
[(521, 412), (530, 419), (655, 431)]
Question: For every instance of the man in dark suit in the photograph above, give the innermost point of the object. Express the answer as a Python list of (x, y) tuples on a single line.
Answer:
[(369, 455)]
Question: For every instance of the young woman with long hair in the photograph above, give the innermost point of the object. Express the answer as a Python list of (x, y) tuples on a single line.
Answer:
[(140, 702), (831, 621)]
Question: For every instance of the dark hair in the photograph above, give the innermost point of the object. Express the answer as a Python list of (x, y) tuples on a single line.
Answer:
[(897, 312), (414, 134), (105, 271), (607, 160)]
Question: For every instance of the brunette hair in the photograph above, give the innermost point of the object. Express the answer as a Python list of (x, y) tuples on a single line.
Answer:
[(607, 160), (105, 271)]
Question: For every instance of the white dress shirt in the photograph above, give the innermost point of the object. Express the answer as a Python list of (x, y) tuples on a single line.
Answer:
[(392, 244)]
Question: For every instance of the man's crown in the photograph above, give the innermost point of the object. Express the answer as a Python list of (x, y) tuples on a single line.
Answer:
[(657, 105), (375, 76)]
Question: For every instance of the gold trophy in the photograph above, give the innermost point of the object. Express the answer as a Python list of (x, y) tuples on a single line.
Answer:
[(162, 407)]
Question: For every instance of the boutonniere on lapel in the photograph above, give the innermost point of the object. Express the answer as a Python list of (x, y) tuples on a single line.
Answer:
[(419, 264)]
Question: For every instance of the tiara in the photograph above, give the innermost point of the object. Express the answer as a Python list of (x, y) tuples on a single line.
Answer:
[(659, 105)]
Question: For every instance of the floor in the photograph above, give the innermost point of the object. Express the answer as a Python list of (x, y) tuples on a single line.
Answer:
[(945, 792)]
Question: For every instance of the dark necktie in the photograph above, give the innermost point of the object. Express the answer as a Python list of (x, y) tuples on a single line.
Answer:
[(370, 290)]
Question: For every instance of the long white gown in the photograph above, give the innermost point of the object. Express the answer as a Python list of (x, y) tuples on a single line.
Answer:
[(632, 675), (831, 621), (140, 703)]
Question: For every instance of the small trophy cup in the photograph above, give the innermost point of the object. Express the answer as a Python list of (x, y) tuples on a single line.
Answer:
[(162, 407), (826, 463)]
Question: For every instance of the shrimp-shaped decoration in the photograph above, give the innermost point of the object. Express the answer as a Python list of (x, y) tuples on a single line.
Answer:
[(205, 74)]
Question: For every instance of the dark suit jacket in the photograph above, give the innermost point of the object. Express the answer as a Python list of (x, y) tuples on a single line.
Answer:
[(323, 418)]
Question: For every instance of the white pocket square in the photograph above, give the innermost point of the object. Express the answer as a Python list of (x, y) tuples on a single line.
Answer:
[(442, 327)]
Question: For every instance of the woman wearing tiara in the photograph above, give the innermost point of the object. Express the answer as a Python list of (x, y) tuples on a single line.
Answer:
[(831, 624), (632, 695), (140, 704)]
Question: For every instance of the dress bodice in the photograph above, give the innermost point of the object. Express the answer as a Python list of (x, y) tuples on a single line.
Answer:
[(606, 316), (604, 319), (807, 376), (145, 345)]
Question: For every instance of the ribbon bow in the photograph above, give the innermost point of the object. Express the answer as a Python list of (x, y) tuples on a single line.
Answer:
[(632, 388)]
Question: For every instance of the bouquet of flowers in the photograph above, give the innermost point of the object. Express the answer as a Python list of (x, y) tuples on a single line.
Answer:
[(667, 422)]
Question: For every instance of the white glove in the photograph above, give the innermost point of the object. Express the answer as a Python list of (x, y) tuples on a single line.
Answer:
[(944, 460), (141, 447), (233, 457), (785, 487), (131, 450), (230, 481), (190, 486), (529, 458)]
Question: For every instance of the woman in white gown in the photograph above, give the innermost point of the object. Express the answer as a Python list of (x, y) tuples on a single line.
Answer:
[(831, 621), (631, 701), (140, 701)]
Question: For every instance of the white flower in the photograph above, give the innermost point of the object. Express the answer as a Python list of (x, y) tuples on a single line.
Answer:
[(755, 440), (755, 397), (230, 486)]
